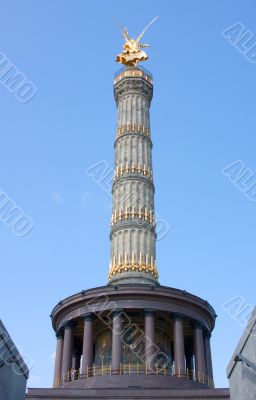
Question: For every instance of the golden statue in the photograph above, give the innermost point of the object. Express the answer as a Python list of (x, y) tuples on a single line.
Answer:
[(132, 52)]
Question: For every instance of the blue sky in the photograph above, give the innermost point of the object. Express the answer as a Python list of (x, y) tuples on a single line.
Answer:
[(203, 119)]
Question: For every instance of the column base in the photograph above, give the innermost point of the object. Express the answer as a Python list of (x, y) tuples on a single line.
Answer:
[(181, 375), (133, 278)]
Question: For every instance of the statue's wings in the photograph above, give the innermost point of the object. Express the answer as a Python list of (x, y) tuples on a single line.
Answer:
[(145, 29), (124, 30)]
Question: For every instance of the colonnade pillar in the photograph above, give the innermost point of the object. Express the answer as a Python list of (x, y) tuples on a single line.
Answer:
[(179, 346), (149, 318), (58, 359), (116, 341), (208, 355), (199, 353), (67, 349), (87, 344)]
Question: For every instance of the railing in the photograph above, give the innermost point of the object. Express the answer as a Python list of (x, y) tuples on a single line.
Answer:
[(106, 369), (132, 72)]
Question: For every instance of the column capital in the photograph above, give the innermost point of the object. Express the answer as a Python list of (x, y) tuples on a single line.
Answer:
[(136, 85), (69, 325), (149, 311), (88, 317), (117, 311), (197, 325), (207, 334), (59, 334), (178, 316)]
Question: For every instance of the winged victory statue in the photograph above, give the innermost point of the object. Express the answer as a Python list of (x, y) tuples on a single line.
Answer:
[(133, 52)]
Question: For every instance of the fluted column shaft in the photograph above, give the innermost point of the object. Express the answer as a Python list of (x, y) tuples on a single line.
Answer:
[(179, 347), (149, 318), (67, 349), (116, 341), (87, 344), (58, 360), (133, 233), (199, 353)]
